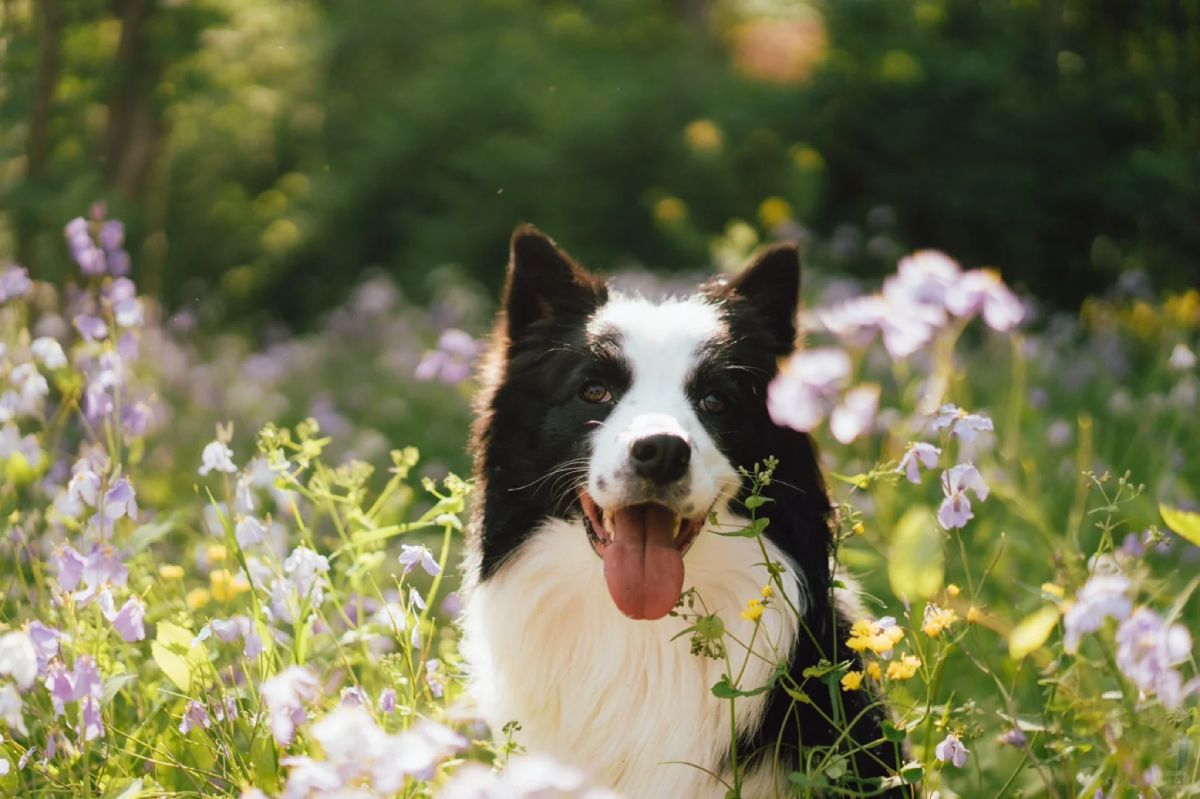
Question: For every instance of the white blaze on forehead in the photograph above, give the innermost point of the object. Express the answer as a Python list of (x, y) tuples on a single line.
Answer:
[(659, 335)]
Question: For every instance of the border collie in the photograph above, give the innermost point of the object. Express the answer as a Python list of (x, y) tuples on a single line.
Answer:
[(610, 440)]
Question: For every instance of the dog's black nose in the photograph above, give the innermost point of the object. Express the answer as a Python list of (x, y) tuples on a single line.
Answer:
[(662, 458)]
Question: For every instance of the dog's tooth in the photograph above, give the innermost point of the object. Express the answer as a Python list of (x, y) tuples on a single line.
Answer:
[(609, 527), (678, 527)]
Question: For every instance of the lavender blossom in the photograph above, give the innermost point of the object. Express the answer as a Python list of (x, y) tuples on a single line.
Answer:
[(285, 696), (808, 388), (194, 715), (951, 750), (856, 413), (918, 454), (411, 556), (129, 621), (1101, 597), (966, 426), (91, 328), (955, 510), (452, 361), (1148, 649), (14, 282)]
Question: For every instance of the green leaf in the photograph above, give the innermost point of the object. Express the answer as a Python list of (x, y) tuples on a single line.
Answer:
[(916, 563), (798, 695), (856, 480), (172, 650), (1184, 523), (754, 529), (893, 733), (756, 501), (723, 690), (911, 773), (1032, 631)]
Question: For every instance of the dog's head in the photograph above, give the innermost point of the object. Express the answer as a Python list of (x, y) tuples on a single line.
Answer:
[(633, 415)]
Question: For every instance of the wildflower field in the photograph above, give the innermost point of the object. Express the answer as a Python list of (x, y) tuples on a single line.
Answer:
[(232, 571)]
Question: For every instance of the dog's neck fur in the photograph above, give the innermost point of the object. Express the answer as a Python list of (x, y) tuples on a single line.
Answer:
[(550, 651)]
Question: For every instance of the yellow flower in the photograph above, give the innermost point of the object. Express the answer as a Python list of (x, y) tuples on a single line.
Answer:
[(215, 552), (774, 211), (226, 585), (1183, 310), (768, 591), (806, 158), (866, 634), (670, 211), (874, 670), (1053, 589), (857, 529), (169, 571), (704, 136), (952, 590), (198, 598), (754, 609), (903, 669), (973, 615), (852, 680), (937, 619)]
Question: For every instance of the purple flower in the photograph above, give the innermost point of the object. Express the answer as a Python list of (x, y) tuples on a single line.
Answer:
[(120, 500), (45, 641), (856, 413), (411, 556), (112, 234), (1015, 738), (285, 696), (18, 658), (1132, 546), (415, 599), (434, 678), (951, 750), (918, 454), (129, 621), (808, 388), (91, 726), (91, 328), (229, 630), (1148, 649), (387, 700), (983, 290), (955, 510), (194, 715), (452, 605), (69, 564), (14, 282), (217, 457), (354, 695), (1102, 596), (135, 418), (452, 360), (960, 423)]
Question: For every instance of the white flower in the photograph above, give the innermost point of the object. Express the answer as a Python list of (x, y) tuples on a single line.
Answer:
[(1181, 358), (18, 657), (49, 352), (217, 457)]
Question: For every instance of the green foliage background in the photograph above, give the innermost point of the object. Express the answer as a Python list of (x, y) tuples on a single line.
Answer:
[(264, 152)]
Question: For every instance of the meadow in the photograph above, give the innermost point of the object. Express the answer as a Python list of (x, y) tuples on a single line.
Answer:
[(231, 570)]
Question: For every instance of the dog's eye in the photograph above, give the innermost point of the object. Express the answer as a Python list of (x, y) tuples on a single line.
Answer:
[(596, 392), (713, 403)]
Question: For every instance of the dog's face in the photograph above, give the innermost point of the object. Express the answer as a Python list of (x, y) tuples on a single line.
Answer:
[(630, 414)]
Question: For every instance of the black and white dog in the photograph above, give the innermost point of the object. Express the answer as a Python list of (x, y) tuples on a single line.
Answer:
[(609, 436)]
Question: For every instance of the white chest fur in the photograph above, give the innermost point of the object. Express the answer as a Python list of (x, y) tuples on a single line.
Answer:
[(613, 696)]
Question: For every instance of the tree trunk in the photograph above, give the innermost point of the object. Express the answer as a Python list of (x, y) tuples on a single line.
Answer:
[(131, 139), (48, 19)]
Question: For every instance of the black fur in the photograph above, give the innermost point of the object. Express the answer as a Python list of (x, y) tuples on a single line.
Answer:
[(529, 422)]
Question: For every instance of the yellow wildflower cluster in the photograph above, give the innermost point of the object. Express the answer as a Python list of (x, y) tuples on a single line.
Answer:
[(937, 620), (852, 680), (224, 585), (768, 591), (753, 611), (169, 571), (903, 669), (874, 636)]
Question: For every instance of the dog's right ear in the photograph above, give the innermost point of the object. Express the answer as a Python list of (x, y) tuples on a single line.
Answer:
[(543, 283)]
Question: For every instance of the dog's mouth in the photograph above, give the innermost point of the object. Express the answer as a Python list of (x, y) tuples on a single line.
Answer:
[(642, 547)]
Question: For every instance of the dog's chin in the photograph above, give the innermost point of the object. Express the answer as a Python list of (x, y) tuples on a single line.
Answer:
[(642, 546)]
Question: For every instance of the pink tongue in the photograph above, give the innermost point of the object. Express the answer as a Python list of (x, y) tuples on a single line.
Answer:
[(642, 566)]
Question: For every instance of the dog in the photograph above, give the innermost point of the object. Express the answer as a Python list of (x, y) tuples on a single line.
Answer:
[(614, 443)]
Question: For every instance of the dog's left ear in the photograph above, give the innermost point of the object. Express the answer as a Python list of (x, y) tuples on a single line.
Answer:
[(771, 284), (543, 283)]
